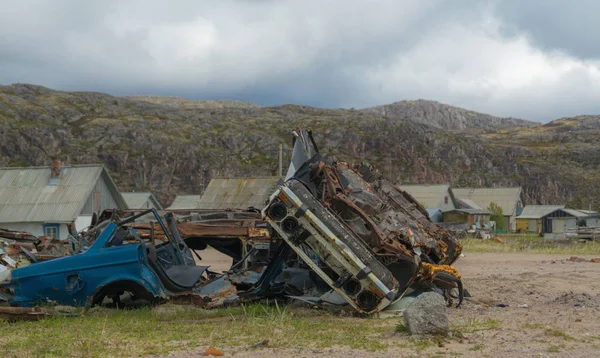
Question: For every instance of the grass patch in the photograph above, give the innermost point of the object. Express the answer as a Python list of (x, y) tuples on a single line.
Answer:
[(558, 333), (462, 327), (477, 347), (533, 325), (422, 344), (171, 328), (555, 348), (400, 327), (531, 244)]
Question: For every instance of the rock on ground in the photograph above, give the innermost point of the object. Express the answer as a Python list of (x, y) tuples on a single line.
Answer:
[(427, 315)]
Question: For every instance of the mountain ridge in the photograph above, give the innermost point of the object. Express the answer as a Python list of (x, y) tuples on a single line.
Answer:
[(446, 116), (170, 149)]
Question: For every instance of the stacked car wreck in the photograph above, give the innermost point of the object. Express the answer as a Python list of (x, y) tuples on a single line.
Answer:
[(371, 235), (331, 233)]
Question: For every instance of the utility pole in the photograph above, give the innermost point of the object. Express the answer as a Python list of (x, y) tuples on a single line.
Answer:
[(280, 160)]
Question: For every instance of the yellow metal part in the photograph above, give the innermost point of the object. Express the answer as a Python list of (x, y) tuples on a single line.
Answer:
[(428, 271)]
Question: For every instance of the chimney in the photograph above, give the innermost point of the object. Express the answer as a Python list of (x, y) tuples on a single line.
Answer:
[(55, 169)]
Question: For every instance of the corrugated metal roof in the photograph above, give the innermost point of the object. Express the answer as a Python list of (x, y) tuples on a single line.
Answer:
[(137, 200), (238, 193), (472, 211), (581, 213), (538, 211), (506, 198), (430, 196), (185, 202), (468, 204), (26, 196)]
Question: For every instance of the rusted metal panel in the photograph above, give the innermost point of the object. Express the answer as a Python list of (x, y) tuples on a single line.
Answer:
[(11, 314)]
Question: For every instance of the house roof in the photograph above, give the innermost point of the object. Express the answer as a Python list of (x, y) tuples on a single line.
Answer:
[(588, 212), (581, 213), (468, 204), (538, 211), (183, 202), (472, 211), (137, 200), (27, 196), (430, 196), (238, 193), (506, 198)]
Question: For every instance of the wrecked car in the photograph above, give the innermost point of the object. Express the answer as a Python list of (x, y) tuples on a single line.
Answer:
[(374, 239), (263, 266), (117, 263)]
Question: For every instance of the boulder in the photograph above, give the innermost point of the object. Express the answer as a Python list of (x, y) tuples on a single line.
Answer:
[(427, 315)]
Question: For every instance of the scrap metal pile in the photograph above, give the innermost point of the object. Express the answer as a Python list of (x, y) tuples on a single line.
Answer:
[(20, 249), (331, 234)]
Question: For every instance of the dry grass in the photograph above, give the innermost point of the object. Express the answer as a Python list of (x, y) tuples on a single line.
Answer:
[(531, 244)]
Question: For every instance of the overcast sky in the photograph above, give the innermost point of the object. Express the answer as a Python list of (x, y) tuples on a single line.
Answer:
[(533, 59)]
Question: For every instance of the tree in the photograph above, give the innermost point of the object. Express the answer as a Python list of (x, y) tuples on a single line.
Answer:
[(497, 216)]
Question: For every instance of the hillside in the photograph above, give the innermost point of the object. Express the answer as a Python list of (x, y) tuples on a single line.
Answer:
[(178, 102), (444, 116), (170, 149), (570, 150)]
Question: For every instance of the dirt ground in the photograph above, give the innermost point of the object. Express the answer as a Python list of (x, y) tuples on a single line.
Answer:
[(526, 305)]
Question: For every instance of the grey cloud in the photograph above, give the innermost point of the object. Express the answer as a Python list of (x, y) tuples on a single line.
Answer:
[(572, 26), (479, 55)]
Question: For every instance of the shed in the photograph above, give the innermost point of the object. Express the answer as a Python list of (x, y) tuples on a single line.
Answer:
[(143, 200), (432, 196), (44, 200), (585, 217), (477, 217), (238, 193), (545, 219)]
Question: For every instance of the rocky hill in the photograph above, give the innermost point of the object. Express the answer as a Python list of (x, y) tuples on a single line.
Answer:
[(175, 149), (178, 102), (444, 116)]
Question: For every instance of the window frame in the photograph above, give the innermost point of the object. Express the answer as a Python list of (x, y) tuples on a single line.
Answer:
[(52, 226)]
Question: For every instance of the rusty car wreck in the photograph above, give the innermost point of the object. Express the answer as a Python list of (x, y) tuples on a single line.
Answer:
[(374, 239), (331, 234)]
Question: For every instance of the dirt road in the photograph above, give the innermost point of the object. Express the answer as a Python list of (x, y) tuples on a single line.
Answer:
[(526, 305)]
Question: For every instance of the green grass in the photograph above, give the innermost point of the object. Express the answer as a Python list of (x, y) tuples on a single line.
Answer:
[(170, 328), (477, 347), (558, 333), (555, 348), (472, 325), (422, 344), (531, 244)]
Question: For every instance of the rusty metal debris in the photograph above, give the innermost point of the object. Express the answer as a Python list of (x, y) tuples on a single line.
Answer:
[(11, 314), (371, 236), (332, 234), (20, 249)]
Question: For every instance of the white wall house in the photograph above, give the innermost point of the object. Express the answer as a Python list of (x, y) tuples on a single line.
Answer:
[(43, 200)]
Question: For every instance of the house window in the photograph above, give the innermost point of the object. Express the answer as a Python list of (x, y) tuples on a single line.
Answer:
[(446, 200), (52, 230)]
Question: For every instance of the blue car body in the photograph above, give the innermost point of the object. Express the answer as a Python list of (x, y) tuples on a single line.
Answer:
[(76, 280)]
